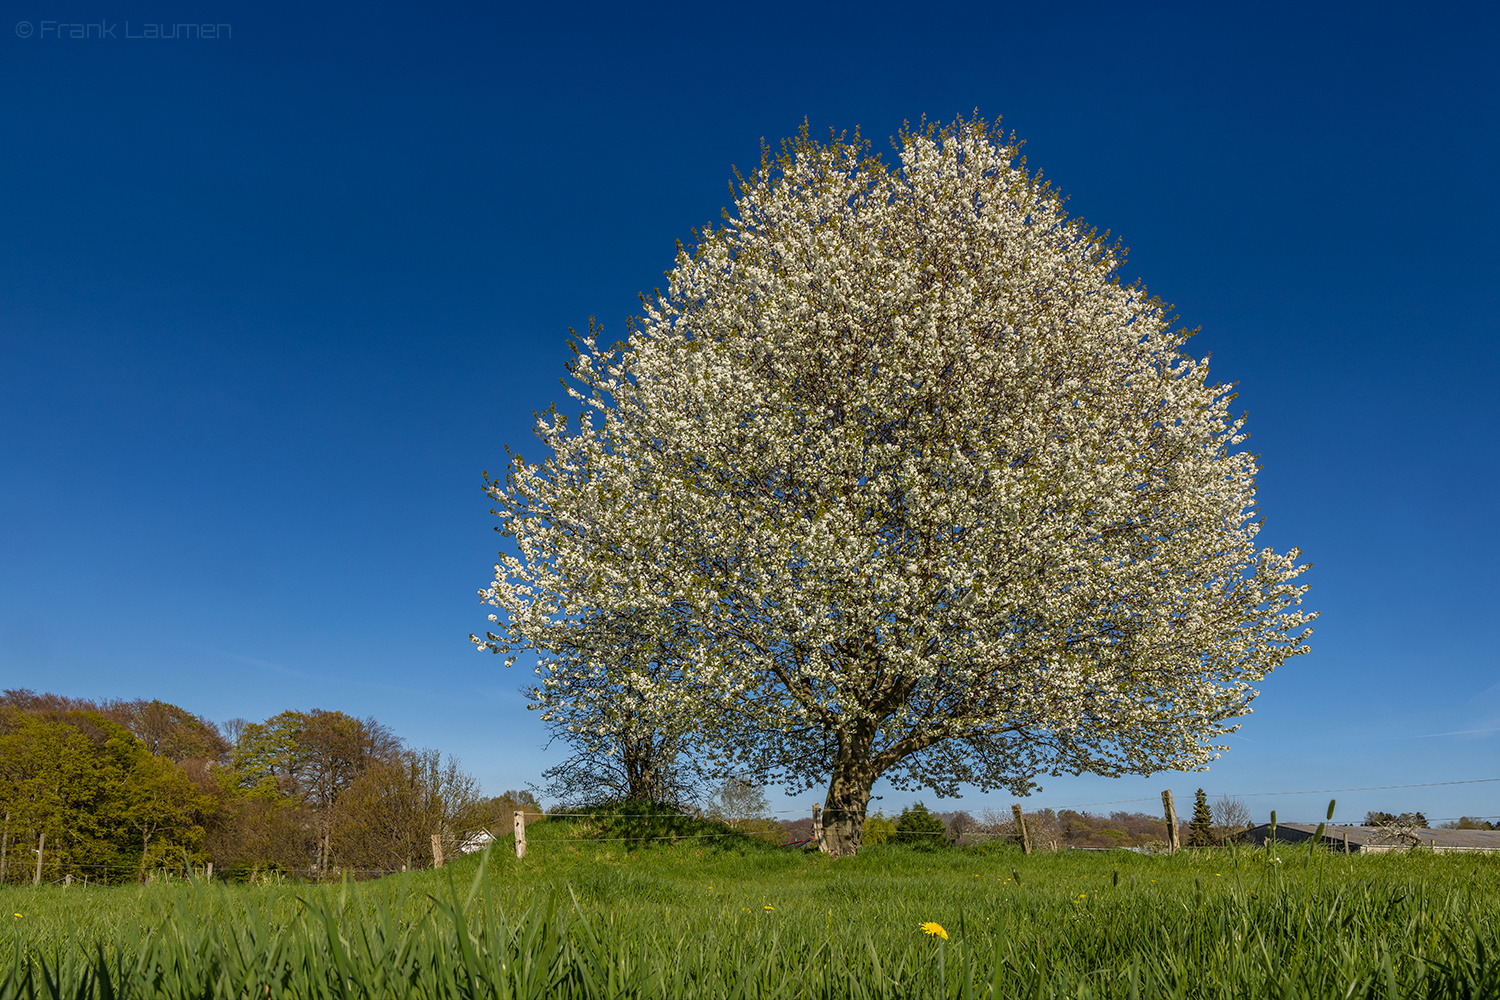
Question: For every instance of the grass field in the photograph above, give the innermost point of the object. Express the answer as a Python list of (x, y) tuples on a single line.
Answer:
[(725, 917)]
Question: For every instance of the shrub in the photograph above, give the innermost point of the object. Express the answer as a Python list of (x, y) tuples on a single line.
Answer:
[(879, 828), (919, 828)]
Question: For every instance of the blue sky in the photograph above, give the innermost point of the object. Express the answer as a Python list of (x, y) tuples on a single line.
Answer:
[(271, 303)]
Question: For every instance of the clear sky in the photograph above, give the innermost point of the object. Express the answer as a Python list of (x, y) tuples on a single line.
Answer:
[(270, 303)]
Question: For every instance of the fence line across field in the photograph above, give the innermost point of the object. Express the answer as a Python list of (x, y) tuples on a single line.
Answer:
[(1308, 791), (198, 872), (1017, 829), (1117, 802)]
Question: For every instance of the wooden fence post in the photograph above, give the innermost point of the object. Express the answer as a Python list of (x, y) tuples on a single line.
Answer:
[(520, 834), (818, 827), (437, 850), (41, 843), (1174, 840), (1021, 828)]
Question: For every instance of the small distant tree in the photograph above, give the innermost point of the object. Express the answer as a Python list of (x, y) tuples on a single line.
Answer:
[(1467, 823), (639, 765), (624, 745), (958, 824), (1201, 828), (1415, 820), (1231, 818), (920, 828), (1044, 829), (736, 803), (1397, 829), (498, 812)]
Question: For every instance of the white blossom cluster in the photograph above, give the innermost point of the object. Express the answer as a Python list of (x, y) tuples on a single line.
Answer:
[(898, 479)]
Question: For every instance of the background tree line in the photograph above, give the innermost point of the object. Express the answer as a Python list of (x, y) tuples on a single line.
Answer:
[(113, 791)]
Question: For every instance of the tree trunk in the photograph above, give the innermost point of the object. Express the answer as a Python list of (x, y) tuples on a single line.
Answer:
[(844, 808)]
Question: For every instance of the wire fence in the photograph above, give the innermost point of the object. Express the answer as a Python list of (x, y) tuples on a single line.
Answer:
[(1144, 798), (81, 873), (627, 827), (1308, 791), (1009, 830)]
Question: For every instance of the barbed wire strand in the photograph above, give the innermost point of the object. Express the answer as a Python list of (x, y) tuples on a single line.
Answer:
[(1310, 791), (1081, 805)]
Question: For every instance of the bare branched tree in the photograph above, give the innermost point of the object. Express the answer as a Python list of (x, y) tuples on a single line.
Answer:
[(1231, 817), (1398, 830)]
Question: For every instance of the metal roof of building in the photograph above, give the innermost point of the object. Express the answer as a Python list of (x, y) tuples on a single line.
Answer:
[(1374, 836)]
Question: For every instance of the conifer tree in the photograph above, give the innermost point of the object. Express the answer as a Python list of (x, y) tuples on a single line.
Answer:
[(1201, 829)]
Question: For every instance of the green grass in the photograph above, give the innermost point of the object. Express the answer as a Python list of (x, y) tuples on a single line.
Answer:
[(724, 916)]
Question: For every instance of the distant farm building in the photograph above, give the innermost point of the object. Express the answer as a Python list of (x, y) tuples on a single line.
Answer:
[(1376, 840)]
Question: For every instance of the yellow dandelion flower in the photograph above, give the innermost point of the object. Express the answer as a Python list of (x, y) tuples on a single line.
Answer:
[(768, 906), (18, 916), (933, 929)]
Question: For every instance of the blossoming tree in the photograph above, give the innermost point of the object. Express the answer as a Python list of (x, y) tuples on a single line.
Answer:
[(910, 485), (624, 742)]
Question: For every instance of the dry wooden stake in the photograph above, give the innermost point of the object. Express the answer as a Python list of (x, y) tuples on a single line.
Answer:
[(1174, 841)]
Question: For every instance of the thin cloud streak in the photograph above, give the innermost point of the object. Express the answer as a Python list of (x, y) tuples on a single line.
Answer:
[(1456, 732)]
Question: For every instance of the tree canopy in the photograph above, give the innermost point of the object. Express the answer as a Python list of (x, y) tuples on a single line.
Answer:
[(909, 485), (110, 791), (83, 795)]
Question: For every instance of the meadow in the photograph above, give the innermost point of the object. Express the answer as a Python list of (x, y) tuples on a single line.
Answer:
[(700, 913)]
